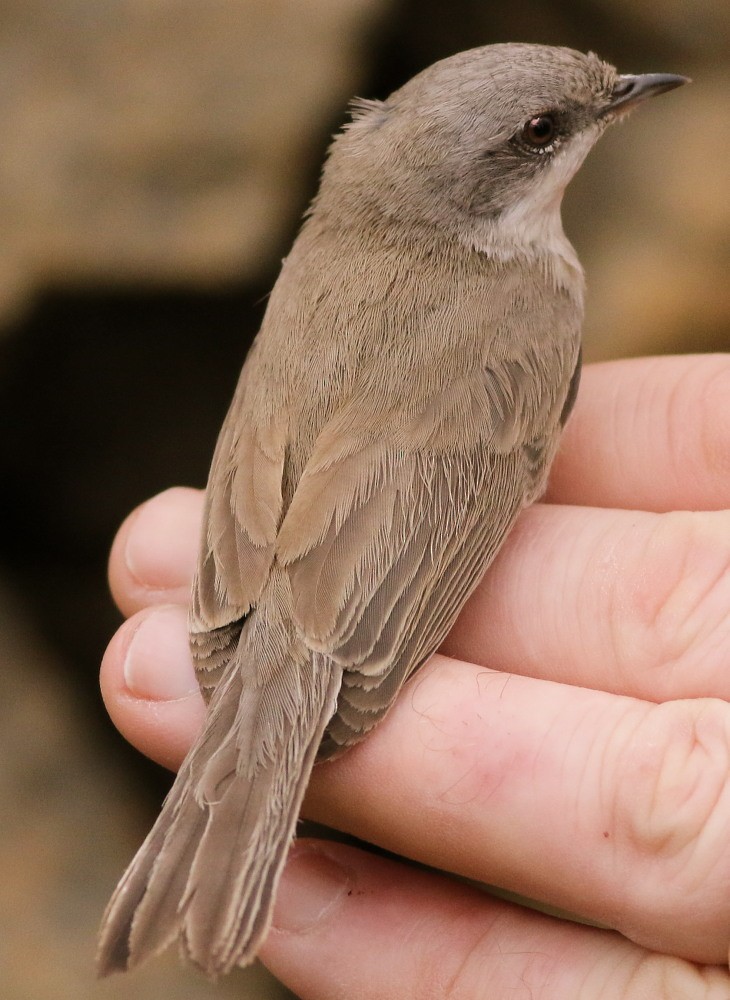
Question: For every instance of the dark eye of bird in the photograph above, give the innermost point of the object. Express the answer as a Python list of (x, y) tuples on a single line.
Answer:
[(539, 132)]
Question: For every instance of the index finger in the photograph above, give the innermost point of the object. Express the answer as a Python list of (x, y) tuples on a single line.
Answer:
[(153, 555), (648, 434)]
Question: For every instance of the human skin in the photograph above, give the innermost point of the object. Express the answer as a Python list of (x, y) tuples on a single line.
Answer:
[(569, 742)]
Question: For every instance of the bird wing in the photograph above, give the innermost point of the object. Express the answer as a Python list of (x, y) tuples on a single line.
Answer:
[(241, 518), (393, 523)]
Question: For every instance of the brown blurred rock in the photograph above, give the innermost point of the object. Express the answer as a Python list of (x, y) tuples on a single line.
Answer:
[(69, 822), (156, 141), (651, 219), (699, 26), (149, 142)]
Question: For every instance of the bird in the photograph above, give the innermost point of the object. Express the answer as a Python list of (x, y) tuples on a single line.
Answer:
[(400, 406)]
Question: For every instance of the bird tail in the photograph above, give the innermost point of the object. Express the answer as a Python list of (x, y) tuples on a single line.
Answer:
[(208, 870)]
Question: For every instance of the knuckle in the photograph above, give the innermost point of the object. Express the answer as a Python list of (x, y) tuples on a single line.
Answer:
[(665, 978), (696, 414), (672, 805), (447, 969), (714, 417), (682, 596), (477, 958)]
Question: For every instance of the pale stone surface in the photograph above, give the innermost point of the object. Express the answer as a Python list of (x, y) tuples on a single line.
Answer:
[(149, 142), (155, 141), (651, 218)]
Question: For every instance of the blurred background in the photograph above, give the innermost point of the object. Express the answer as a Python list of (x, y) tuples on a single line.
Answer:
[(155, 160)]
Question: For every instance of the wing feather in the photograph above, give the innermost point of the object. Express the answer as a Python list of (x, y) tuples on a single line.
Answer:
[(241, 518), (387, 536)]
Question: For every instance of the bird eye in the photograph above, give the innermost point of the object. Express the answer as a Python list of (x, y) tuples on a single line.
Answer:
[(539, 132)]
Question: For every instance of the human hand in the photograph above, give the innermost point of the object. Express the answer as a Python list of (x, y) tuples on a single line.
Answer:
[(571, 746)]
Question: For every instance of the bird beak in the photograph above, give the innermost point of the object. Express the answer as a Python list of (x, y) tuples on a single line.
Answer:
[(630, 90)]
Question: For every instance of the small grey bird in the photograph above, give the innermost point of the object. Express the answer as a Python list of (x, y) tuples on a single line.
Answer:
[(399, 408)]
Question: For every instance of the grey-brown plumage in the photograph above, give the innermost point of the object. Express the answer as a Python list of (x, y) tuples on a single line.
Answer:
[(399, 408)]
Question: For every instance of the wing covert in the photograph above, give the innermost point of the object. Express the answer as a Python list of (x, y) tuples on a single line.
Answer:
[(241, 519), (389, 532)]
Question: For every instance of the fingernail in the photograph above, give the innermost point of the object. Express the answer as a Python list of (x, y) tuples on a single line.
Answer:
[(158, 665), (162, 540), (310, 889)]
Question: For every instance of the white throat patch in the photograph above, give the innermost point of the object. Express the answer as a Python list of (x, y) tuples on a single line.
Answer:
[(532, 227)]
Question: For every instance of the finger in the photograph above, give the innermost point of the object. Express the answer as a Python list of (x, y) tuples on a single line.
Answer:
[(153, 555), (624, 601), (149, 687), (603, 806), (648, 434), (628, 602), (349, 924)]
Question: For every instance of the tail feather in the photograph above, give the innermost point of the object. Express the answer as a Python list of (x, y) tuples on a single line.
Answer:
[(115, 942), (225, 922), (208, 870)]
